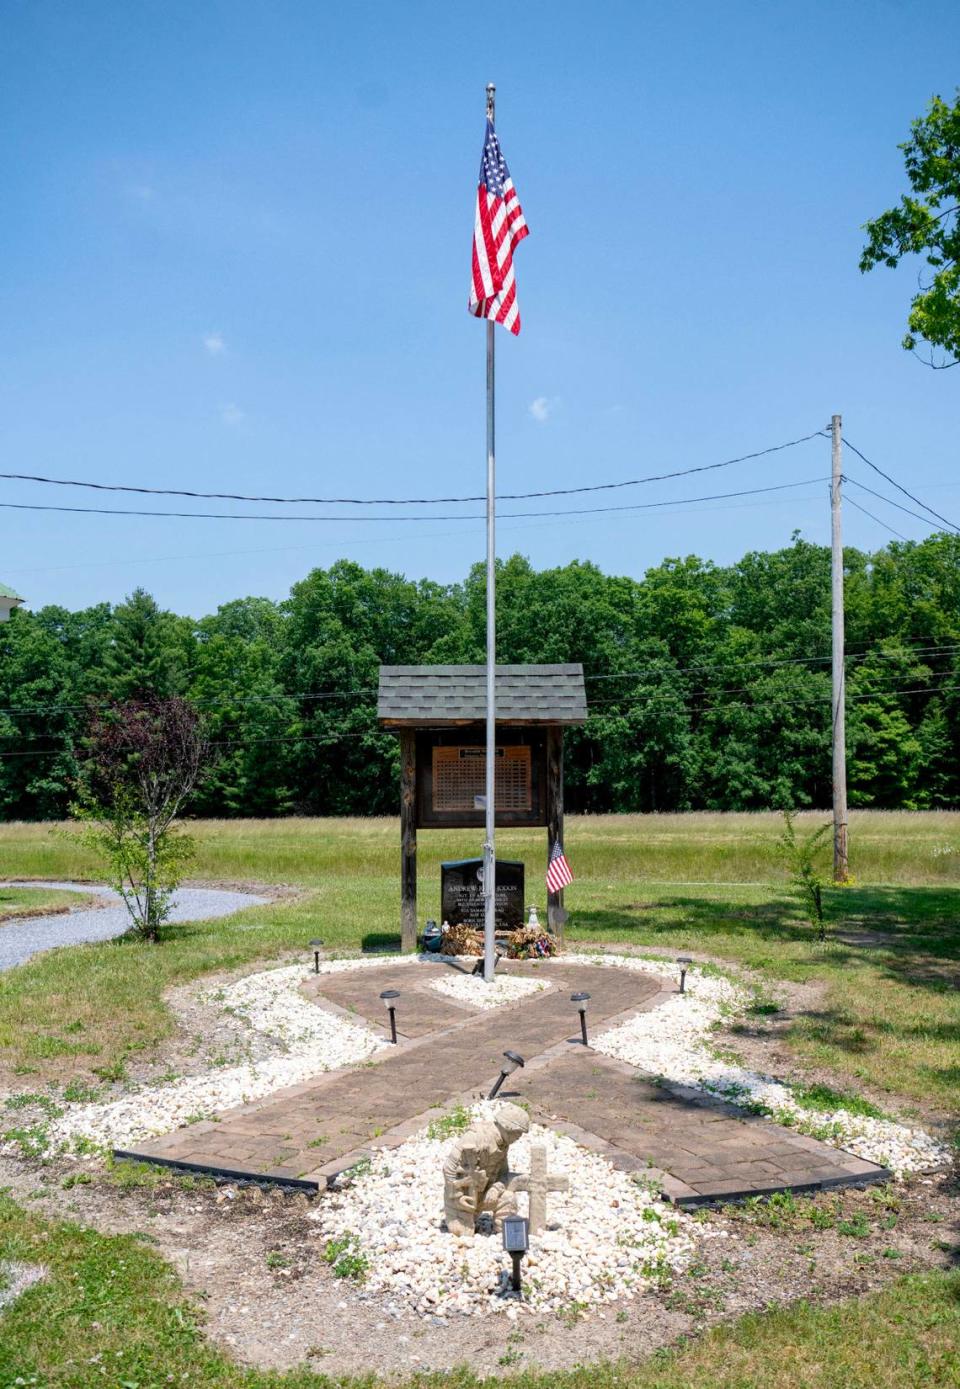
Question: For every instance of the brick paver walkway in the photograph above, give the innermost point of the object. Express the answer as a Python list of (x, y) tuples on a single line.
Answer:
[(450, 1050)]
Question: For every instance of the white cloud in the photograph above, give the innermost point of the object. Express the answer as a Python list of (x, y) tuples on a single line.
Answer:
[(543, 407), (214, 344), (232, 415)]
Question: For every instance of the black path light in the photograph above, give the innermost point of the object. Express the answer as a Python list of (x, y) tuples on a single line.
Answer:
[(581, 1000), (516, 1241), (316, 946), (512, 1061), (388, 996), (684, 961)]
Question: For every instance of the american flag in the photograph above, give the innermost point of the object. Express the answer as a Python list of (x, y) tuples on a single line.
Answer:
[(558, 870), (498, 228)]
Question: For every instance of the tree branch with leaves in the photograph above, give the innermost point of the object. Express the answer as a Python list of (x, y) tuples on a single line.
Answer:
[(926, 223)]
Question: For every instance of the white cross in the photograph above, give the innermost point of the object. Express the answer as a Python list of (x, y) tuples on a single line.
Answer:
[(537, 1184)]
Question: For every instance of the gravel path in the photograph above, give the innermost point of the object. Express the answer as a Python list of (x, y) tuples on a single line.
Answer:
[(29, 935)]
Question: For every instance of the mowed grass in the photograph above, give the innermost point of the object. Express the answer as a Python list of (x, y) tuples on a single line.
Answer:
[(111, 1312), (890, 1007), (16, 902)]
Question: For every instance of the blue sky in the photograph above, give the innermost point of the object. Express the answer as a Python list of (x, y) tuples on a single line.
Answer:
[(235, 245)]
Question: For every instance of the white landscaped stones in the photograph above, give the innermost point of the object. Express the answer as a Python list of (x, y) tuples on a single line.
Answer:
[(606, 1238), (471, 988)]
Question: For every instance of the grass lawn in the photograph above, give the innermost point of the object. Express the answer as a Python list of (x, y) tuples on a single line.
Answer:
[(112, 1313), (888, 1013), (16, 902)]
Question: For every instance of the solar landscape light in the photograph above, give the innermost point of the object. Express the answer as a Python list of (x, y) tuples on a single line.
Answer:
[(316, 946), (683, 961), (581, 1000), (388, 997), (512, 1060), (516, 1241)]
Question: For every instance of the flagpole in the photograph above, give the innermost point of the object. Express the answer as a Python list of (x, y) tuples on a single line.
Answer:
[(489, 849)]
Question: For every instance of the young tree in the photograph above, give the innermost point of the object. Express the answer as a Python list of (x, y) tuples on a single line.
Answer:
[(926, 223), (144, 759), (799, 856)]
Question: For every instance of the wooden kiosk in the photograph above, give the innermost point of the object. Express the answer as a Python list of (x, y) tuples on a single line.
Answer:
[(439, 713)]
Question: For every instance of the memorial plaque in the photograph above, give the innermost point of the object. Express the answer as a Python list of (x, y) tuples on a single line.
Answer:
[(461, 893)]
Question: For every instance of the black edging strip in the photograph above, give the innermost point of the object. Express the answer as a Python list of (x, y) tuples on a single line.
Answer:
[(727, 1198), (226, 1174)]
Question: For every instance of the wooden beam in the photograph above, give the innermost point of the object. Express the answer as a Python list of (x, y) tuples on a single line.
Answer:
[(408, 840), (554, 808)]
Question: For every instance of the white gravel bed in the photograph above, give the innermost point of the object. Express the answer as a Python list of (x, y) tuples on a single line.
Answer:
[(270, 1003), (673, 1042), (606, 1238), (470, 988), (16, 1278)]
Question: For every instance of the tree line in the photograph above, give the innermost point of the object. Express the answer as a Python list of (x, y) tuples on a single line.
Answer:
[(708, 685)]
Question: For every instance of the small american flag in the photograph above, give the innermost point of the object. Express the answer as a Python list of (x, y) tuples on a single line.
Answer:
[(498, 228), (558, 870)]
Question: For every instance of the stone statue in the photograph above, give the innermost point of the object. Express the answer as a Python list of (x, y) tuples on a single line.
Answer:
[(475, 1176)]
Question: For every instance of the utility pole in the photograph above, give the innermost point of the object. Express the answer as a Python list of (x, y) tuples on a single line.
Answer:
[(837, 663)]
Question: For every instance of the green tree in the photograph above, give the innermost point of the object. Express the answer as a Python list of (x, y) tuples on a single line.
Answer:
[(149, 651), (925, 223), (144, 758)]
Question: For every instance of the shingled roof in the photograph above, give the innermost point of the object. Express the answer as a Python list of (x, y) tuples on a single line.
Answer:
[(436, 696)]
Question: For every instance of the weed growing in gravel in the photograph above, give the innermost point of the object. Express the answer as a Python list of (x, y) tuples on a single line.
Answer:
[(76, 1092), (33, 1141), (454, 1121), (28, 1100), (825, 1097), (857, 1227), (346, 1258)]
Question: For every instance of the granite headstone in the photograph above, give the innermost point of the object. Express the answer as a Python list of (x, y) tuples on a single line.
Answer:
[(461, 893)]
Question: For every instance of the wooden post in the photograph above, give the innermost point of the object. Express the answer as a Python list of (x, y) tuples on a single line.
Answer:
[(554, 789), (408, 840), (838, 701)]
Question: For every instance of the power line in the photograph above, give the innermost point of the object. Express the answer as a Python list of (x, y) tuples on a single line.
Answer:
[(897, 533), (402, 501), (333, 740), (352, 520), (893, 482), (889, 500)]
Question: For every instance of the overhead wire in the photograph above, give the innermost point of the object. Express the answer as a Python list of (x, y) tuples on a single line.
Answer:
[(351, 520), (893, 482), (407, 501)]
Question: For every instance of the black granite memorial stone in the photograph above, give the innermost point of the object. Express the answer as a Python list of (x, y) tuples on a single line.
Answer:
[(461, 893)]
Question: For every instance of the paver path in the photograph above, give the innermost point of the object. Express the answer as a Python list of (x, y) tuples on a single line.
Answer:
[(450, 1050), (28, 935)]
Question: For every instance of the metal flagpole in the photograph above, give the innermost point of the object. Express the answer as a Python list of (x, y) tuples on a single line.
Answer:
[(489, 850)]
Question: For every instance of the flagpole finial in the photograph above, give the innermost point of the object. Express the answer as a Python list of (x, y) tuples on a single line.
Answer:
[(491, 95)]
